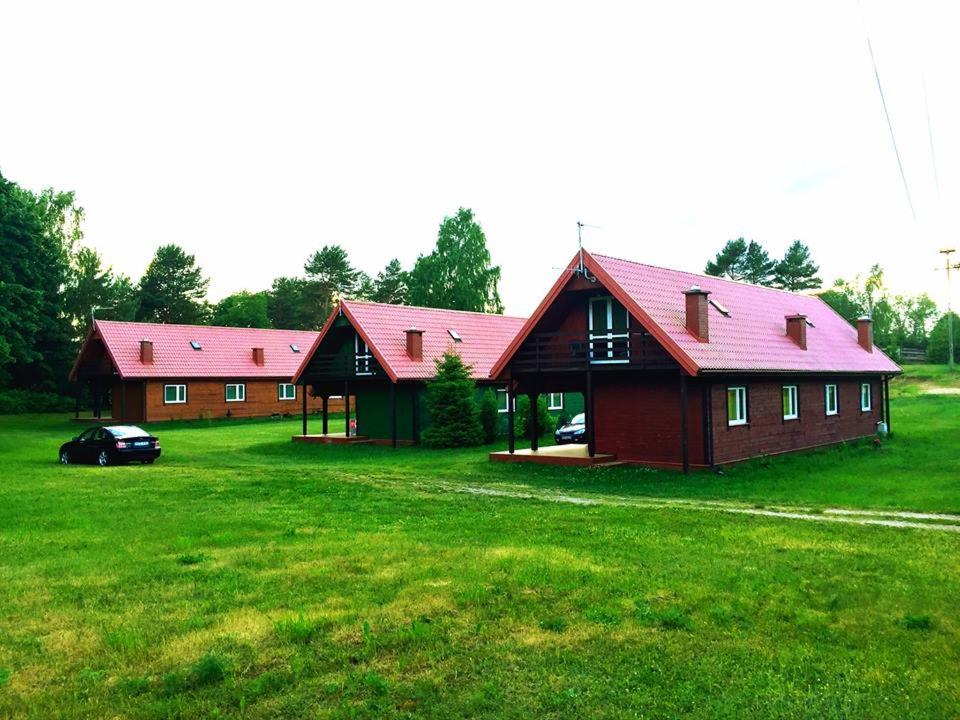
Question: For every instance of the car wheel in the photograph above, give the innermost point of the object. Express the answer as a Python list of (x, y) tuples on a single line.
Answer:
[(65, 458), (103, 459)]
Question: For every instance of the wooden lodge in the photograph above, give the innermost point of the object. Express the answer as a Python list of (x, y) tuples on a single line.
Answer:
[(680, 370)]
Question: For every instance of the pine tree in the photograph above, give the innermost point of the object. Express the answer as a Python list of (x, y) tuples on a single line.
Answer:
[(796, 271), (173, 289), (390, 286), (454, 418), (729, 261)]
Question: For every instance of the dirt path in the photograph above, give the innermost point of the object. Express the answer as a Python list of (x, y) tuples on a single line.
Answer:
[(938, 522)]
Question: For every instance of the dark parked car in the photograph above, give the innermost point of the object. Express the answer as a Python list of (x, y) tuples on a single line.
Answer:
[(111, 445), (573, 431)]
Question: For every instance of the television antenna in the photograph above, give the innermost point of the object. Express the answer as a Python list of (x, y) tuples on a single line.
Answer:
[(581, 269), (93, 311)]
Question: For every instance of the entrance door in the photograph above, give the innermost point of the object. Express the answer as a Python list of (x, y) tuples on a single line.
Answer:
[(363, 356), (609, 331)]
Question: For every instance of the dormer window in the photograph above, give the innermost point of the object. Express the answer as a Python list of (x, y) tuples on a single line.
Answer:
[(295, 347), (195, 344), (455, 335)]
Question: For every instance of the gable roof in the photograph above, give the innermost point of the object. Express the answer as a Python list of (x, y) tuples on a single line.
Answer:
[(226, 352), (751, 339), (383, 327)]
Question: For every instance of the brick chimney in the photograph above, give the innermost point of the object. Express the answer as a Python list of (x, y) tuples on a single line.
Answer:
[(146, 352), (258, 357), (865, 333), (697, 322), (415, 343), (797, 330)]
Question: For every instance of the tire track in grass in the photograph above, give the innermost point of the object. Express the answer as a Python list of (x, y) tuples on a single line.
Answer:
[(942, 522)]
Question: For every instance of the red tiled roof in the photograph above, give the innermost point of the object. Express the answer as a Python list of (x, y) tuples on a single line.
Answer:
[(226, 351), (383, 327), (752, 339)]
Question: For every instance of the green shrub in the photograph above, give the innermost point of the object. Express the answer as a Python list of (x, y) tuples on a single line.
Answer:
[(938, 349), (545, 422), (454, 417), (17, 402), (489, 416)]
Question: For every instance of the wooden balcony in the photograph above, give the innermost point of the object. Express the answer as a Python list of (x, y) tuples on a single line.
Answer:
[(569, 351), (339, 367)]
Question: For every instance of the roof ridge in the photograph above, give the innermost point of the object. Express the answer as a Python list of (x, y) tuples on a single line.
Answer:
[(704, 275), (431, 309), (203, 327)]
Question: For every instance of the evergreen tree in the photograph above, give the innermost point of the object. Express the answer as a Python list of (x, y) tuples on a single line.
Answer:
[(521, 419), (757, 267), (242, 309), (458, 274), (173, 289), (287, 306), (390, 285), (455, 420), (796, 271), (92, 285), (330, 276), (729, 261)]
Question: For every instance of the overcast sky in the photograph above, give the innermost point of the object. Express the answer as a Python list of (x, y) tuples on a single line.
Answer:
[(253, 134)]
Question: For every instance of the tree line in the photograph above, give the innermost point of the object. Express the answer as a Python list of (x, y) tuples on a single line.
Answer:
[(899, 321), (51, 282)]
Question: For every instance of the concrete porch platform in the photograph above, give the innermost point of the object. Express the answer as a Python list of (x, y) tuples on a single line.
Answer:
[(554, 455), (332, 439)]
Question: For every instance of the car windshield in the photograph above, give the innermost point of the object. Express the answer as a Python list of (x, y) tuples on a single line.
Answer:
[(578, 419), (125, 431)]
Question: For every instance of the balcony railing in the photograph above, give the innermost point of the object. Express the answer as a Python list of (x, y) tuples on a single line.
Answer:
[(560, 351), (343, 366)]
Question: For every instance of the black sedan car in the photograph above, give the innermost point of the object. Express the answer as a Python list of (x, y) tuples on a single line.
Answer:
[(111, 445), (573, 431)]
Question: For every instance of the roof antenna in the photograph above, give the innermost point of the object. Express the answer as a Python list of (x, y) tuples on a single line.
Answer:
[(581, 268)]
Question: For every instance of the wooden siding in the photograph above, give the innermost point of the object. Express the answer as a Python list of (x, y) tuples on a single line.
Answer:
[(637, 418), (767, 432), (207, 399)]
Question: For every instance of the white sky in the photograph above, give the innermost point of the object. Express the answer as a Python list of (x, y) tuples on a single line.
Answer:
[(253, 134)]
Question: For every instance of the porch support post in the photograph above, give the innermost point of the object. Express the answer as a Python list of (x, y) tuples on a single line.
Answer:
[(76, 407), (684, 440), (886, 403), (123, 402), (511, 433), (415, 410), (96, 397), (393, 414), (325, 413), (303, 401), (532, 419), (346, 406), (588, 411)]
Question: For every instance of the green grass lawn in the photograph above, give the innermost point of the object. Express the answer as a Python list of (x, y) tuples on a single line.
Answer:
[(245, 576)]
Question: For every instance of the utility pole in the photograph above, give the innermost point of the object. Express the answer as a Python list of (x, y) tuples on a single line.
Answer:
[(946, 255)]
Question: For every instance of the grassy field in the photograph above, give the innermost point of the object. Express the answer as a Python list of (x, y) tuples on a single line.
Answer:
[(244, 576)]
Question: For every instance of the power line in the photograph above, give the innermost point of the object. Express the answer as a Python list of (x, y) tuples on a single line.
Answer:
[(886, 112), (933, 154)]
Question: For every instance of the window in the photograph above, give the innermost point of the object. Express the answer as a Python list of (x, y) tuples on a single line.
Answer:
[(830, 399), (362, 357), (195, 344), (288, 391), (502, 400), (609, 331), (737, 405), (790, 407), (455, 335), (720, 308), (295, 347), (236, 392), (555, 401), (866, 399), (174, 394)]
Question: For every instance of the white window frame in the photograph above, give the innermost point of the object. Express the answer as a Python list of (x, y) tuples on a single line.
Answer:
[(506, 406), (740, 405), (794, 395), (826, 400), (239, 391), (610, 336), (179, 387), (363, 359), (554, 401), (868, 406), (283, 386)]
